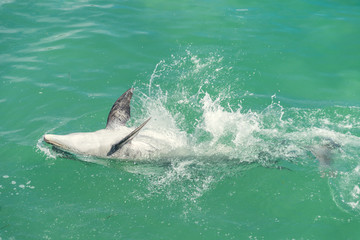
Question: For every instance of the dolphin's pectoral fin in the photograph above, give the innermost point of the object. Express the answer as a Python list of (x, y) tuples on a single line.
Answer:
[(126, 139), (120, 111)]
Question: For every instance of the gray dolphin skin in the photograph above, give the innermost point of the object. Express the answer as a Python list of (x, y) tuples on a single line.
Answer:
[(107, 142), (324, 151)]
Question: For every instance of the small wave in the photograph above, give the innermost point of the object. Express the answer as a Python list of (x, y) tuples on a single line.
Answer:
[(43, 49), (6, 2), (60, 36)]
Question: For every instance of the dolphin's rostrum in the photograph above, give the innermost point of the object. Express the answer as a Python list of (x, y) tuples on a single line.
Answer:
[(106, 142)]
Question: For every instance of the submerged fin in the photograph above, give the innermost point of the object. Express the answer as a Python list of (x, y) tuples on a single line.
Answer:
[(126, 139), (324, 151), (120, 111)]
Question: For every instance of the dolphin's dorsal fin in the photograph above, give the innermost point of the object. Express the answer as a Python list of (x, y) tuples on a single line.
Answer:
[(126, 139), (120, 111)]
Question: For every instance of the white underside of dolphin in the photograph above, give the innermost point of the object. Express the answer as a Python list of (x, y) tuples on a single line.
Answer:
[(115, 141)]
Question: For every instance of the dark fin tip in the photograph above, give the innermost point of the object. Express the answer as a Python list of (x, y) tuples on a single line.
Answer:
[(120, 111)]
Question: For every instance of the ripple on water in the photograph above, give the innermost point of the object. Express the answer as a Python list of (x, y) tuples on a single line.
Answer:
[(16, 79), (3, 2), (43, 49), (60, 36), (11, 58)]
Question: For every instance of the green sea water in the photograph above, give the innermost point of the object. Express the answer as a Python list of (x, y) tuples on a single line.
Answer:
[(252, 89)]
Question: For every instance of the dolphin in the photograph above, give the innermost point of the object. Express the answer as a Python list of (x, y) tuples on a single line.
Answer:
[(105, 143)]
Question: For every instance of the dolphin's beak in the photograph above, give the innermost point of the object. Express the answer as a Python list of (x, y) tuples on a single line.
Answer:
[(51, 139)]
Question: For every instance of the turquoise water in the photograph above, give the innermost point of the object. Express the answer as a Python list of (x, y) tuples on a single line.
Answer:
[(252, 86)]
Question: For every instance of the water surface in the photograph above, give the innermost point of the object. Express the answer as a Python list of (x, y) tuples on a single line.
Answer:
[(249, 87)]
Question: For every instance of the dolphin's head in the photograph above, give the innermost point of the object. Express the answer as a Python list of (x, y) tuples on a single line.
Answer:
[(89, 143), (57, 141), (75, 142)]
